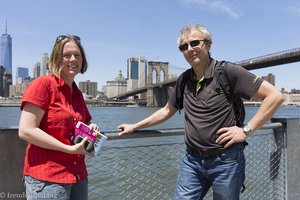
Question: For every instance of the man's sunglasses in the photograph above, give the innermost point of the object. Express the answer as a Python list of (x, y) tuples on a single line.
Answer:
[(61, 37), (185, 46)]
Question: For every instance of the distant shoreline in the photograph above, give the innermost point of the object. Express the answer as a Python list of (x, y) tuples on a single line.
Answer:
[(88, 102), (10, 104), (247, 104)]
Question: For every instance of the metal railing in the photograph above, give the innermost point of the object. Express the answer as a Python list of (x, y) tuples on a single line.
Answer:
[(141, 167)]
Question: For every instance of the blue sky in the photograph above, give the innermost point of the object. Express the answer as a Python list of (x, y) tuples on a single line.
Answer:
[(113, 30)]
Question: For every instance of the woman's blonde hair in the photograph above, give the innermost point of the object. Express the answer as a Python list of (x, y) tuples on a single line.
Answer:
[(57, 54)]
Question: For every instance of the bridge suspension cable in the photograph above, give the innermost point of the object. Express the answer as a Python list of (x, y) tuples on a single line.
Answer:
[(177, 67)]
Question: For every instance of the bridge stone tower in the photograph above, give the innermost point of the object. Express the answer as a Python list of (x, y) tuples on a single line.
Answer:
[(157, 96)]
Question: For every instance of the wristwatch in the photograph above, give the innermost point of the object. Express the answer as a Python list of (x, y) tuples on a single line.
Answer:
[(247, 129)]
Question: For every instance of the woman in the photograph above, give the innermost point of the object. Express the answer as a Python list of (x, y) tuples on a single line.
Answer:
[(54, 166)]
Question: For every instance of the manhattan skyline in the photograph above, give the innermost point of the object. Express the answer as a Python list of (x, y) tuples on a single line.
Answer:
[(113, 31)]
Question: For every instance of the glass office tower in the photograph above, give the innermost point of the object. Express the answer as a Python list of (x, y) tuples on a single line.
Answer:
[(6, 52), (136, 74), (22, 75)]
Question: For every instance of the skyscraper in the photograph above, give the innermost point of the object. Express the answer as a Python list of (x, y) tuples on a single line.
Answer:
[(89, 88), (37, 70), (6, 52), (1, 81), (22, 74), (6, 61), (270, 78), (136, 74), (45, 62), (7, 81)]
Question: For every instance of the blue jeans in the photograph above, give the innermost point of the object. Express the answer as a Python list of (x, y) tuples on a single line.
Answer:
[(224, 172), (37, 189)]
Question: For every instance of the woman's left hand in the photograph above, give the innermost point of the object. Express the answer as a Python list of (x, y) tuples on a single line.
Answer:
[(94, 127)]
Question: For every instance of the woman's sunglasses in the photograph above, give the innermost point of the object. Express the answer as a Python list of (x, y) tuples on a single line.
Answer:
[(61, 37), (185, 46)]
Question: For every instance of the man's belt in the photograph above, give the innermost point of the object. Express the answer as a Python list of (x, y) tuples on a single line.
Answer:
[(212, 152)]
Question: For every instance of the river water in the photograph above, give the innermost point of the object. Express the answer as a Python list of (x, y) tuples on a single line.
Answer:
[(108, 118)]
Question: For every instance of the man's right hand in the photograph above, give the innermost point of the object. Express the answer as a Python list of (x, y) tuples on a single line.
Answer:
[(125, 129)]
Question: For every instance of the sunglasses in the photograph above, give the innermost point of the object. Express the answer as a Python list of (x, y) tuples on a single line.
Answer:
[(61, 37), (185, 46)]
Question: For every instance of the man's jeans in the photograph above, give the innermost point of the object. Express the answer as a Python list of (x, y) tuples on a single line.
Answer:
[(224, 172)]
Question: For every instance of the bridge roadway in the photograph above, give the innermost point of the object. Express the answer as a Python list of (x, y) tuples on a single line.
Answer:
[(270, 60)]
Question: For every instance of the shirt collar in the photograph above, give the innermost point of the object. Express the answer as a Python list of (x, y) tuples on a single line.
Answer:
[(61, 83), (209, 70)]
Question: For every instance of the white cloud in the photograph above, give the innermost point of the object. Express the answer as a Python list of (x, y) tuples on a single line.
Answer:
[(216, 5), (295, 8)]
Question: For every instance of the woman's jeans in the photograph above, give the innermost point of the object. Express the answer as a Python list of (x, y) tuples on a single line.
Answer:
[(37, 189), (224, 172)]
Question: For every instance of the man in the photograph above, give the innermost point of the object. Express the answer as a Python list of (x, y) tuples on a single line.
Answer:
[(214, 155)]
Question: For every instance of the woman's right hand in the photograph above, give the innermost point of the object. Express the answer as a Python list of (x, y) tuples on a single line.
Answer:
[(79, 148)]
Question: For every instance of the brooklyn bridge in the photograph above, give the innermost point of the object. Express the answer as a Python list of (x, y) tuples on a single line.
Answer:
[(158, 92)]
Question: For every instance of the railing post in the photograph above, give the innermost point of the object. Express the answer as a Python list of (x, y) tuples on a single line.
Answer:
[(277, 159), (12, 152), (292, 130)]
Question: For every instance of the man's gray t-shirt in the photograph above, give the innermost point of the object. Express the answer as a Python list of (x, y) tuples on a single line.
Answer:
[(209, 110)]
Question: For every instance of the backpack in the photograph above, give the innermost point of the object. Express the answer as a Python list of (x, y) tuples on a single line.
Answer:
[(222, 80)]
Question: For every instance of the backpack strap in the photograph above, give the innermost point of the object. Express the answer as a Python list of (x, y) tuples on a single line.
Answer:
[(181, 82), (221, 78), (235, 100)]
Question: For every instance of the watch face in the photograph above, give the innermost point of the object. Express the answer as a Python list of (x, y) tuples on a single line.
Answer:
[(247, 129)]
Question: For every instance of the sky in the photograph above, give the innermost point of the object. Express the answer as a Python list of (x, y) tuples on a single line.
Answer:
[(112, 31)]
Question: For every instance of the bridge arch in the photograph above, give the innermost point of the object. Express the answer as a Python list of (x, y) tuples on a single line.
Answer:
[(159, 68)]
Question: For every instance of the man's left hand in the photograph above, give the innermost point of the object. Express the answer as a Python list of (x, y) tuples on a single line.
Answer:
[(230, 135)]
